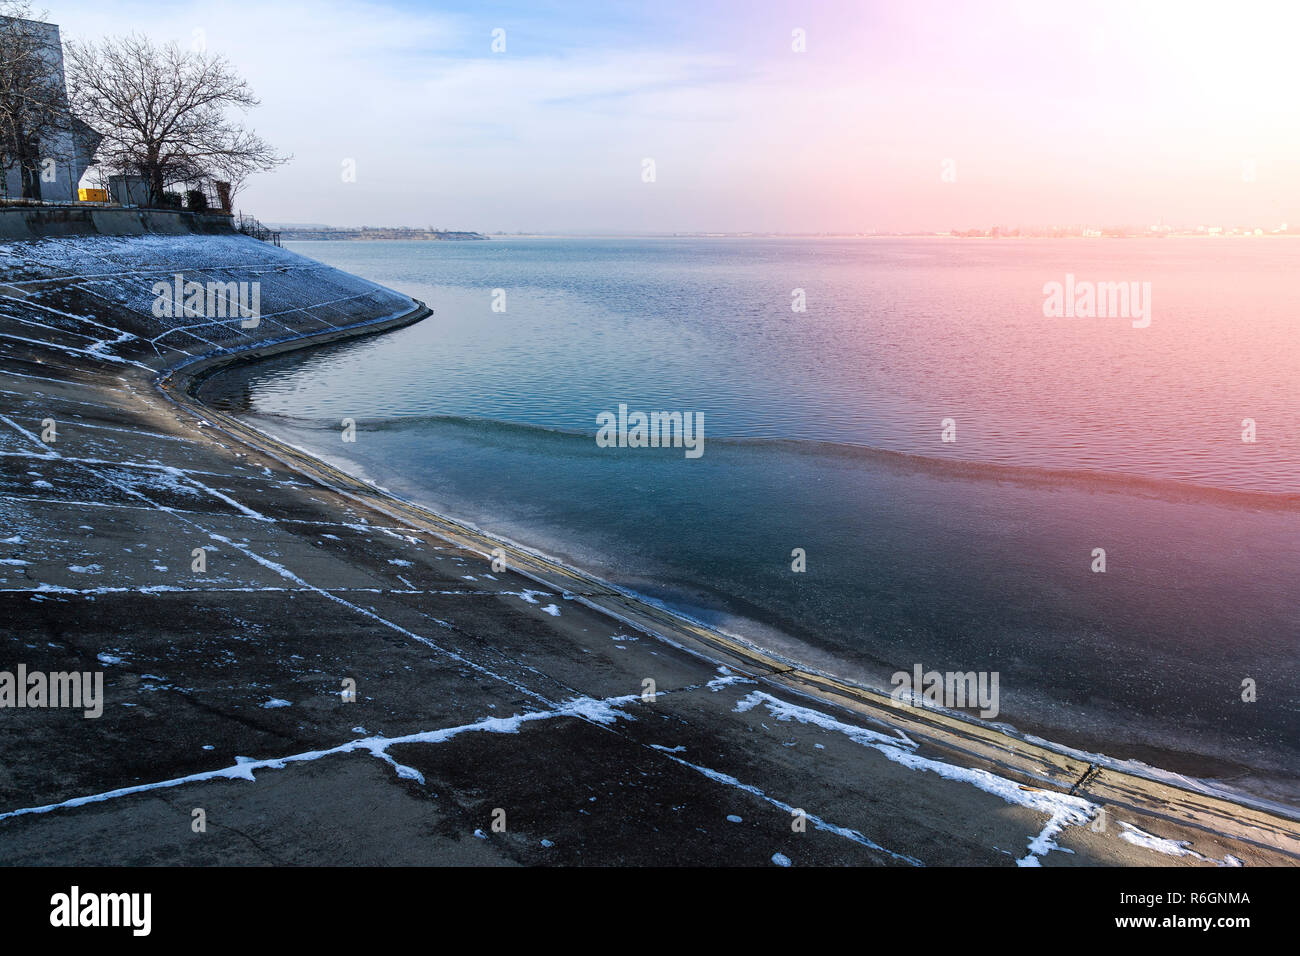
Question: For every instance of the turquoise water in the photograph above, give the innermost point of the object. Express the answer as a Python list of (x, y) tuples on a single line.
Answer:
[(823, 432)]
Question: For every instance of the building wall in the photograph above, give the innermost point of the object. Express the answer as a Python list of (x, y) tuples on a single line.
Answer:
[(70, 157)]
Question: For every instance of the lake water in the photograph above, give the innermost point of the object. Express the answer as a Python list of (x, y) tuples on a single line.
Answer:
[(824, 432)]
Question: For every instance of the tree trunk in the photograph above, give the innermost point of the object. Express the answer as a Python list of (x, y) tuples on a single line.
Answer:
[(31, 176), (156, 187)]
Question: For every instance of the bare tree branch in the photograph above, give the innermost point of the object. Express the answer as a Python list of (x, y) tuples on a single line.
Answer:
[(164, 112)]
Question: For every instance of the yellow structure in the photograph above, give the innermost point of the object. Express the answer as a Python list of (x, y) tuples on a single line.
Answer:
[(92, 195)]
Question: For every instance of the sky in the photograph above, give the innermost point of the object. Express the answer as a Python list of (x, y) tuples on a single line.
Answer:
[(905, 115)]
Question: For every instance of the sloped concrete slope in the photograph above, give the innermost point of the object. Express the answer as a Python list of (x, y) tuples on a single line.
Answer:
[(96, 297)]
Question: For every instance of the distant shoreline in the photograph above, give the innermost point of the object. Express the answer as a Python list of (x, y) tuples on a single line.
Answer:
[(370, 234), (367, 233)]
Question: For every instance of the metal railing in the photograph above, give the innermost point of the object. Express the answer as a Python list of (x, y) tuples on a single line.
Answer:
[(249, 226)]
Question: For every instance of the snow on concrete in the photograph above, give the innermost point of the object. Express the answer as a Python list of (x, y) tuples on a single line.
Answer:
[(818, 823), (1062, 809), (245, 768), (1131, 834), (54, 283)]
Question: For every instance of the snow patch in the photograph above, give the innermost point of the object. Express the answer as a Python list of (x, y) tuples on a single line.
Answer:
[(1149, 841), (1062, 809)]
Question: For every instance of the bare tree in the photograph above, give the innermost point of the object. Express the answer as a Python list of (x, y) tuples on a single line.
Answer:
[(164, 111), (234, 171), (33, 103)]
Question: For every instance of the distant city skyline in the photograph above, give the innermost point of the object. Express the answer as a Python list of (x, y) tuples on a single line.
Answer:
[(1083, 230), (916, 117)]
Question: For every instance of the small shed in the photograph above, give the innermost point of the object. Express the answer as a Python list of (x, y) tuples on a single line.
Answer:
[(128, 190)]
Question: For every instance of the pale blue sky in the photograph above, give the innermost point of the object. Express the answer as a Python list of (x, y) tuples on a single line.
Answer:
[(1111, 111)]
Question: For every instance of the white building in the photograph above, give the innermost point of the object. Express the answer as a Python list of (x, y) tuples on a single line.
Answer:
[(65, 154)]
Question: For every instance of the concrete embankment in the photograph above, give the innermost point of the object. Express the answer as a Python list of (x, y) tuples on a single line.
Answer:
[(40, 222), (321, 673)]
